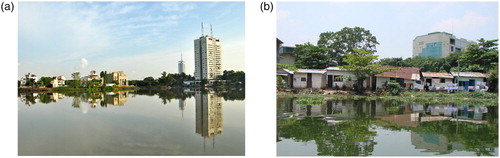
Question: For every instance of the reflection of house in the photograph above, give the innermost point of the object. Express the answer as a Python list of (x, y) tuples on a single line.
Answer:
[(437, 80), (309, 78), (335, 77), (430, 142), (470, 81), (117, 77), (118, 99), (407, 77), (406, 120)]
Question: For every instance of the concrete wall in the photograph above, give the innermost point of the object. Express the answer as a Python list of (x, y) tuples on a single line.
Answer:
[(345, 81), (318, 80), (436, 82)]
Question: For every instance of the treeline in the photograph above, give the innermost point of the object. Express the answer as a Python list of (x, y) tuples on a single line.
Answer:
[(164, 80), (231, 77)]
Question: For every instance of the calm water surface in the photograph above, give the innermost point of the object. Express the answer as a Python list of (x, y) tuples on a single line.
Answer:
[(385, 128), (132, 123)]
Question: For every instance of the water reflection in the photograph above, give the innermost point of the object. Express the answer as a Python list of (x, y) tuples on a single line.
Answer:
[(130, 121), (209, 122), (350, 128)]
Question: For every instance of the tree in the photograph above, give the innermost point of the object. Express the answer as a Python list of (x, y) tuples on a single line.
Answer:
[(286, 66), (104, 77), (170, 80), (345, 41), (45, 81), (150, 81), (480, 57), (310, 56), (362, 64), (76, 79), (163, 79)]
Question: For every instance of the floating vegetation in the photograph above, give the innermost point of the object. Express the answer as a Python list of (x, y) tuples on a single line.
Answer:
[(309, 102)]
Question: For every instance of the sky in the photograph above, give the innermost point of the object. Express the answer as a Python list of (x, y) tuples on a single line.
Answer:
[(394, 24), (140, 38)]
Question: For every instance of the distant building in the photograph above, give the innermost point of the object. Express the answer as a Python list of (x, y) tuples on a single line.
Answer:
[(118, 77), (58, 81), (92, 76), (24, 80), (284, 54), (438, 44), (207, 57), (182, 66)]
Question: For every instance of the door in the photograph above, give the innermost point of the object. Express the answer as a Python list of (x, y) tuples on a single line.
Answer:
[(374, 83), (429, 81), (291, 80), (330, 81), (309, 80)]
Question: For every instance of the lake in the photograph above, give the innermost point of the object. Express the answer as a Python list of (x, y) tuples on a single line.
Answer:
[(163, 122), (384, 128)]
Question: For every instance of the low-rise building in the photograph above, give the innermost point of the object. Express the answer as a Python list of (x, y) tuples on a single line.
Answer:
[(336, 77), (309, 78), (287, 76), (117, 77), (437, 80), (470, 81), (407, 77)]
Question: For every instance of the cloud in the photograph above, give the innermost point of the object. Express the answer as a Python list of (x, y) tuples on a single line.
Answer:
[(83, 64), (469, 22), (283, 14), (176, 7)]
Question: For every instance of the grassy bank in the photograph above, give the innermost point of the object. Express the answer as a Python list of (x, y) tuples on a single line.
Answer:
[(473, 98), (71, 89)]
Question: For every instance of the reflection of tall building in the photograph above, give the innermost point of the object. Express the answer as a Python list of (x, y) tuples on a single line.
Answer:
[(430, 142), (209, 117), (182, 105)]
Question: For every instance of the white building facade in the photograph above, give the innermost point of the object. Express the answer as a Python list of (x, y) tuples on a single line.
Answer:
[(438, 44), (207, 58)]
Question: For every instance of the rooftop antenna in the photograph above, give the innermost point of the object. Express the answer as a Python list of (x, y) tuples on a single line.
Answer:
[(211, 33), (202, 29)]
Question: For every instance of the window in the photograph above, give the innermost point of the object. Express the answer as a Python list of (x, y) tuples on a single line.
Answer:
[(303, 79), (442, 80), (338, 78)]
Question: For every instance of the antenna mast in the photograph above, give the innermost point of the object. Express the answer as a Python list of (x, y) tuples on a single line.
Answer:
[(211, 33), (202, 29)]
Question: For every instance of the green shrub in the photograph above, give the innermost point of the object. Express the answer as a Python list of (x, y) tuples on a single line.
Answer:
[(394, 87)]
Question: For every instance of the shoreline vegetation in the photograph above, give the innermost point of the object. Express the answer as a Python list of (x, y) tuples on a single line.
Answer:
[(81, 89), (473, 98)]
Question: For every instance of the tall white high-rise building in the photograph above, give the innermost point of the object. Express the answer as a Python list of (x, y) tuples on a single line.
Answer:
[(182, 66), (207, 57)]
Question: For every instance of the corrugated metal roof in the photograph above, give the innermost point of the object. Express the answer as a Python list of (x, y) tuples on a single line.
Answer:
[(332, 68), (314, 71), (411, 73), (470, 74), (437, 74)]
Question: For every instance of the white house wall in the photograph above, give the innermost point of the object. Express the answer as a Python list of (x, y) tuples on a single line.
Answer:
[(345, 81), (317, 80)]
